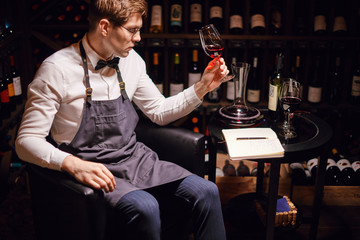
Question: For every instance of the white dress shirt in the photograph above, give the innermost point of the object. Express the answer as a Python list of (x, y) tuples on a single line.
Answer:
[(56, 98)]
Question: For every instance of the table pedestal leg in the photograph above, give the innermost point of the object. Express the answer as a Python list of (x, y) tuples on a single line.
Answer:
[(272, 198)]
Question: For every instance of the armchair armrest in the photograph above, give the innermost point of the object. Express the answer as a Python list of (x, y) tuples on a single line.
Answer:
[(179, 145)]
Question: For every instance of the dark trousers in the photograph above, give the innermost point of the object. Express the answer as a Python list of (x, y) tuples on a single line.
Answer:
[(171, 211)]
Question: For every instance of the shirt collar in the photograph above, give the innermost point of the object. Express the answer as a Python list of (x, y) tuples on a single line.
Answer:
[(90, 53)]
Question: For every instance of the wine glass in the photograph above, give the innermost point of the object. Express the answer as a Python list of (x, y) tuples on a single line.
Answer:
[(289, 99), (213, 44)]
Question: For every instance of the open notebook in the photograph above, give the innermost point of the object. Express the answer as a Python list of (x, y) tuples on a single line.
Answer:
[(252, 143)]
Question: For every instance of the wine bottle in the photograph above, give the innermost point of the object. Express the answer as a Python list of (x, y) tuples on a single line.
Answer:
[(276, 22), (298, 174), (356, 167), (254, 169), (253, 89), (194, 70), (230, 87), (335, 83), (195, 21), (347, 174), (242, 169), (4, 95), (332, 175), (156, 24), (156, 73), (216, 16), (297, 72), (300, 28), (16, 80), (312, 166), (176, 16), (257, 21), (236, 17), (274, 88), (229, 169), (315, 86), (320, 18), (176, 83), (10, 86), (339, 27), (355, 86)]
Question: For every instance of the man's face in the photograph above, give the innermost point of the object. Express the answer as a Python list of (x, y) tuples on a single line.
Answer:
[(122, 38)]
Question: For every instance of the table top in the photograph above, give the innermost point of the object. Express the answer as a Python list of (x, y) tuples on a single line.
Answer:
[(313, 134)]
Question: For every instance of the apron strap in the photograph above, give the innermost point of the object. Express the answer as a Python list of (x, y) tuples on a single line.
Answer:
[(86, 73), (87, 81)]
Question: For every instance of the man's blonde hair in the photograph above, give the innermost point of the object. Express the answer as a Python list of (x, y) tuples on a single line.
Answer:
[(116, 11)]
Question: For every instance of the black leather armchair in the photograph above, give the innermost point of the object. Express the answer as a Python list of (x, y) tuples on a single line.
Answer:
[(66, 209)]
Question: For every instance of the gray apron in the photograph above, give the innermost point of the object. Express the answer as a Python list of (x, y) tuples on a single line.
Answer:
[(107, 135)]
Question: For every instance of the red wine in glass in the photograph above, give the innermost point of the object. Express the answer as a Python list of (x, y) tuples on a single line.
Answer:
[(214, 50), (290, 104)]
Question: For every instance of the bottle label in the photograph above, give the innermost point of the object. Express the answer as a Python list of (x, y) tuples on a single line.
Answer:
[(339, 24), (214, 95), (312, 163), (273, 97), (319, 23), (11, 89), (195, 12), (314, 94), (160, 87), (253, 95), (355, 88), (216, 12), (175, 17), (176, 88), (236, 21), (356, 165), (193, 78), (330, 163), (230, 91), (4, 96), (257, 20), (156, 15), (343, 163), (17, 86)]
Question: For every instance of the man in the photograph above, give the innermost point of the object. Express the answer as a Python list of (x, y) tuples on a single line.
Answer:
[(86, 106)]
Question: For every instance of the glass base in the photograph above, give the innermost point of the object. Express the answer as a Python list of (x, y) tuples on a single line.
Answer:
[(239, 115)]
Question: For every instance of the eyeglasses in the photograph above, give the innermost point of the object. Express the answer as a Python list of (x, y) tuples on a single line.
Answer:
[(133, 31)]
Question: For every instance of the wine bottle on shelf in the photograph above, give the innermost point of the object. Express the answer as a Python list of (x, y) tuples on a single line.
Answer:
[(274, 88), (347, 174), (316, 82), (195, 21), (16, 80), (254, 83), (194, 70), (242, 169), (230, 87), (298, 174), (339, 27), (176, 83), (297, 72), (254, 169), (276, 22), (216, 16), (236, 17), (336, 79), (4, 95), (301, 17), (320, 18), (10, 85), (229, 169), (355, 86), (156, 21), (257, 19), (156, 72), (312, 166), (176, 16), (332, 174), (81, 13), (356, 167)]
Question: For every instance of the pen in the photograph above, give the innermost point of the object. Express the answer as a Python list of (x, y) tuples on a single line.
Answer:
[(250, 138)]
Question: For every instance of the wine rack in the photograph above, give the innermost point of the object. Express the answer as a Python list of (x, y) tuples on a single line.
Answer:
[(49, 25)]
